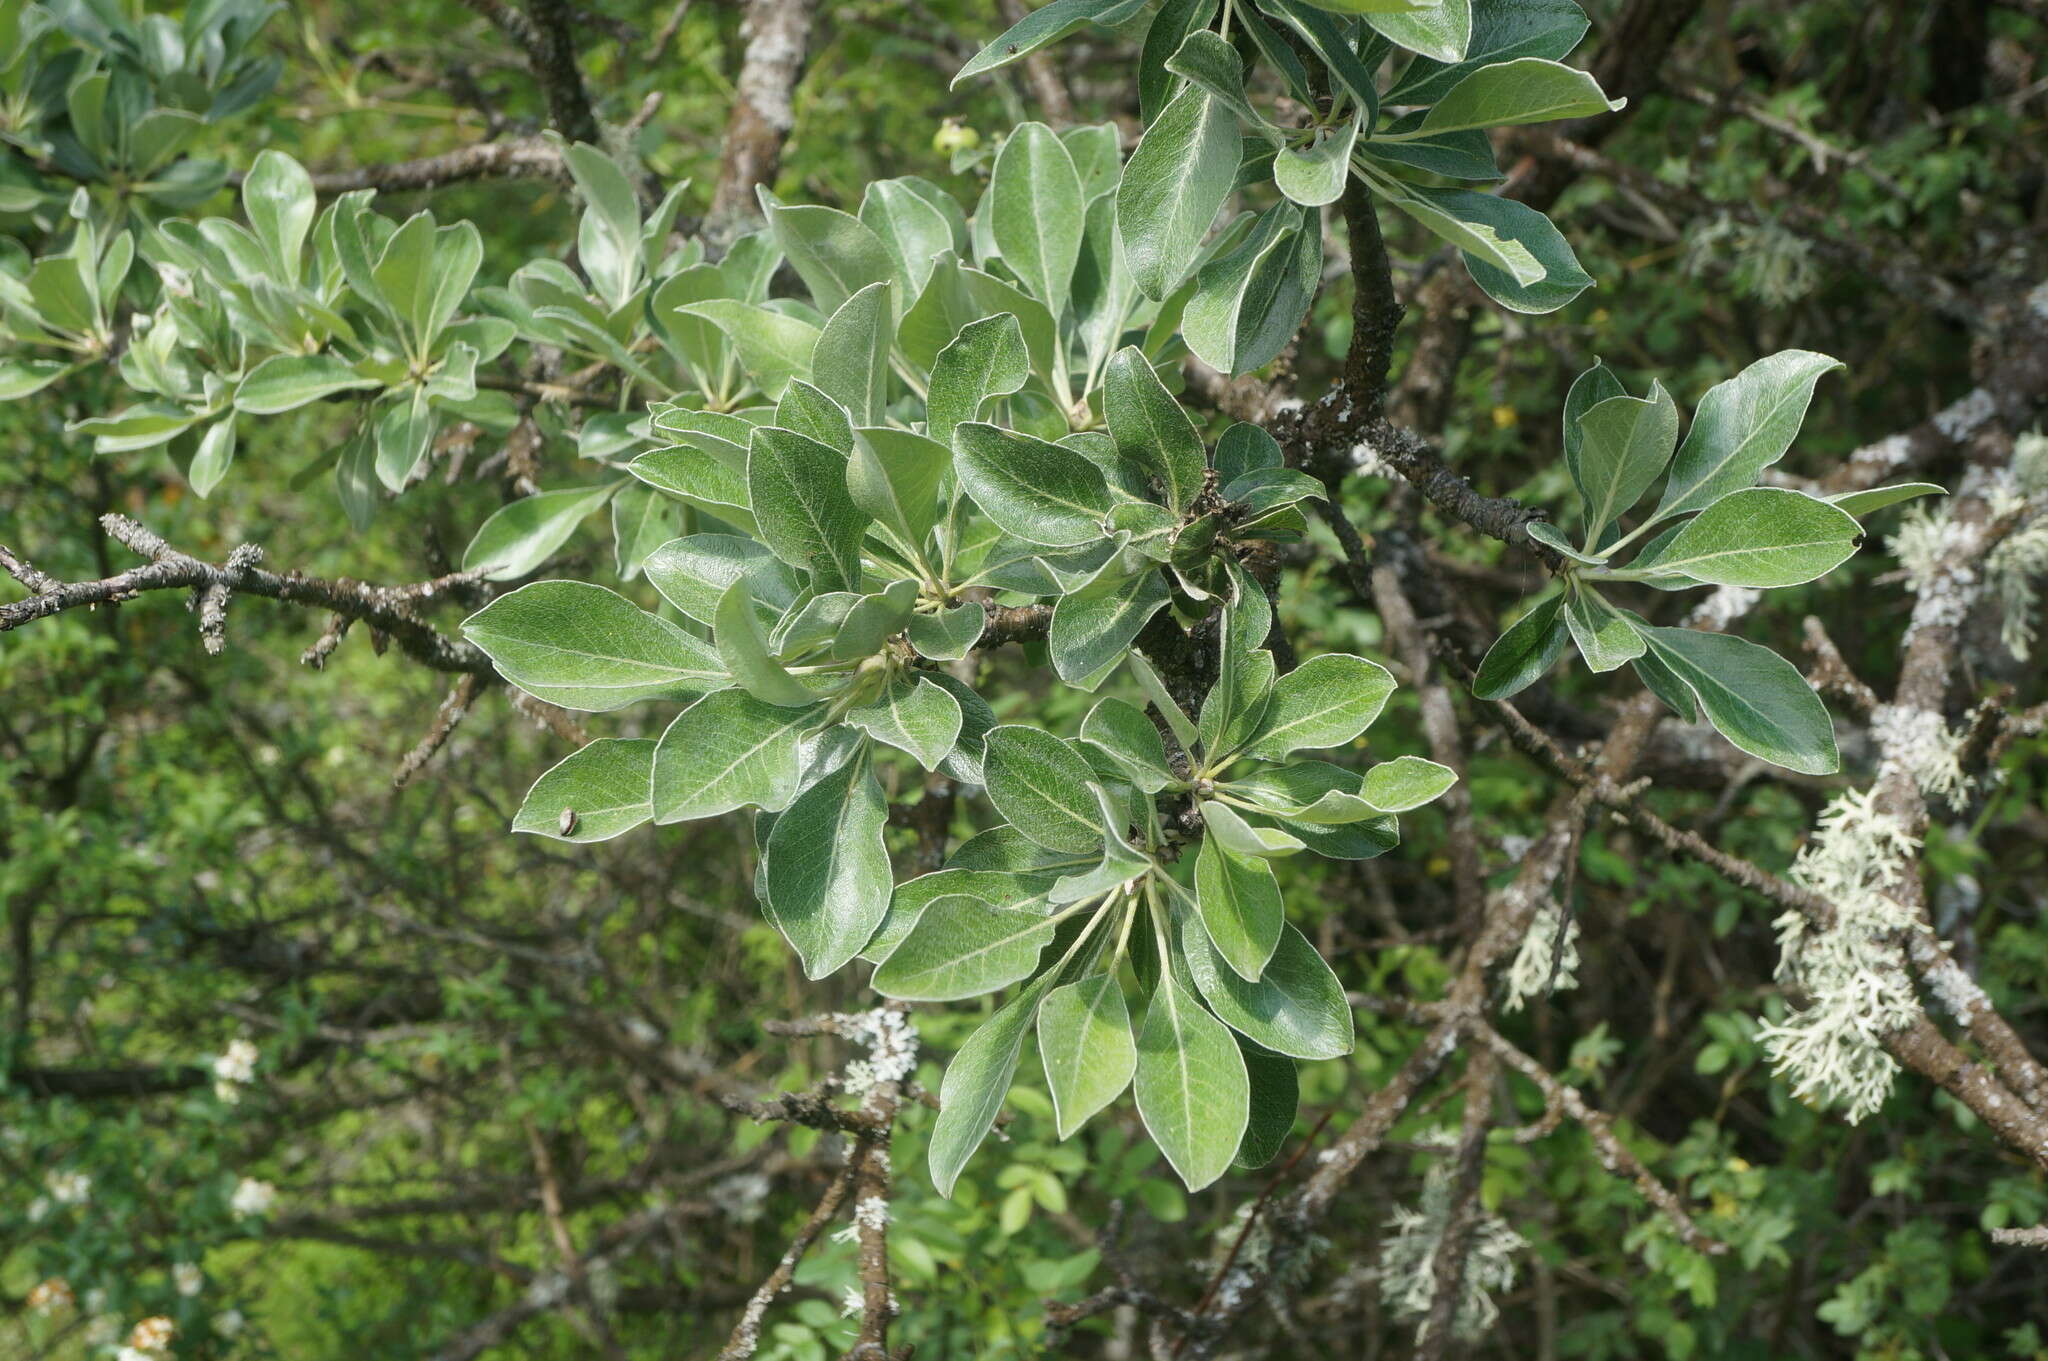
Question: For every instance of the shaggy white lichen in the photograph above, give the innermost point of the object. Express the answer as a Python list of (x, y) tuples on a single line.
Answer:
[(1760, 258), (1853, 972), (1408, 1261), (2021, 558), (891, 1042), (1531, 973), (1920, 743)]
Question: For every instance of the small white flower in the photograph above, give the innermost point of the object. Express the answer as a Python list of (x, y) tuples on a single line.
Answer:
[(69, 1188), (228, 1322), (188, 1278), (253, 1197), (238, 1064)]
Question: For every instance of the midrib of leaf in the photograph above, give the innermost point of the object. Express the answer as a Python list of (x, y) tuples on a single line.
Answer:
[(1055, 804), (1755, 435)]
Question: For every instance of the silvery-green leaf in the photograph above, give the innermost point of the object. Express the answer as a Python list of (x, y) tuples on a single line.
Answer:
[(524, 534), (1742, 427), (1244, 449), (797, 487), (216, 452), (1876, 498), (871, 621), (1248, 304), (1007, 888), (962, 947), (1467, 155), (894, 475), (692, 573), (1039, 784), (977, 1079), (1325, 702), (1093, 626), (593, 794), (1762, 537), (1037, 212), (1211, 63), (1664, 683), (1756, 698), (1230, 830), (1523, 90), (913, 714), (1604, 634), (809, 410), (1170, 26), (1406, 782), (1085, 1043), (850, 362), (1624, 443), (744, 649), (772, 346), (284, 382), (642, 521), (699, 479), (1520, 656), (834, 253), (1239, 902), (913, 228), (949, 634), (987, 359), (728, 750), (1150, 429), (1555, 539), (1040, 492), (1331, 47), (1182, 171), (584, 647), (1129, 736), (1317, 173), (1191, 1085), (1440, 32), (1294, 1007), (826, 868), (1045, 25), (1596, 385)]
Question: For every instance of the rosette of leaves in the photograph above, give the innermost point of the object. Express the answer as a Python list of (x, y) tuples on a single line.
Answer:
[(1462, 67), (1135, 861), (64, 302), (1712, 525), (91, 94)]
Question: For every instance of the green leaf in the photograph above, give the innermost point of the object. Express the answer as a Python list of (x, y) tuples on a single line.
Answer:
[(826, 868), (642, 521), (1212, 64), (1325, 702), (1524, 90), (1275, 1101), (1519, 657), (745, 651), (850, 363), (1239, 902), (773, 347), (913, 227), (692, 573), (728, 750), (809, 411), (913, 714), (834, 253), (1125, 732), (972, 1093), (24, 377), (1596, 385), (1294, 1007), (894, 475), (1042, 493), (522, 535), (1093, 627), (1085, 1043), (1501, 31), (1762, 537), (277, 196), (996, 887), (1191, 1085), (1182, 171), (1406, 782), (1150, 429), (950, 634), (1875, 498), (797, 487), (987, 359), (211, 460), (1604, 634), (1624, 443), (584, 647), (1742, 427), (696, 478), (1036, 29), (1244, 449), (1317, 173), (1040, 786), (871, 621), (1313, 792), (1170, 27), (1248, 304), (1664, 683), (962, 947), (1332, 48), (1440, 32), (1756, 698), (1036, 212), (137, 427), (1234, 834), (592, 794)]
